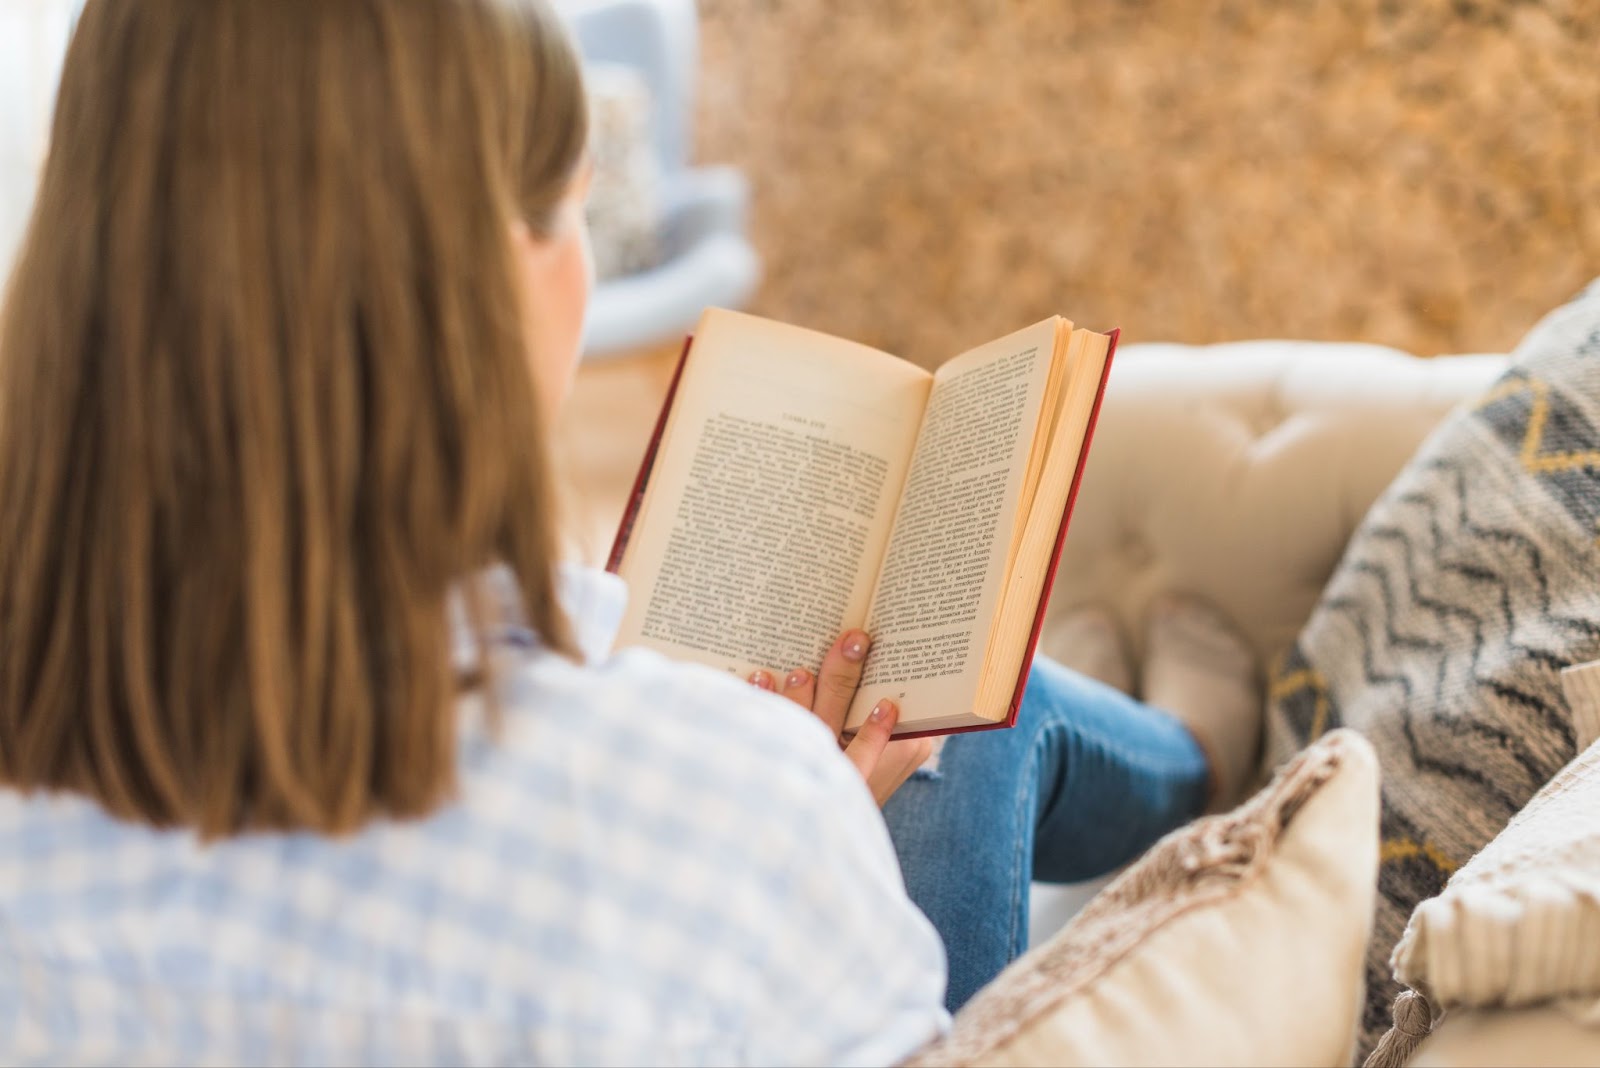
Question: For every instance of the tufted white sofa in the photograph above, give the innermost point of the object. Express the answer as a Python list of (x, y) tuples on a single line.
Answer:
[(1238, 472)]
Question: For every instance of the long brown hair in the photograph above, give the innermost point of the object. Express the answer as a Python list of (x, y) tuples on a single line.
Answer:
[(265, 401)]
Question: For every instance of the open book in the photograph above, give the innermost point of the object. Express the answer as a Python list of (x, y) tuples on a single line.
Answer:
[(799, 485)]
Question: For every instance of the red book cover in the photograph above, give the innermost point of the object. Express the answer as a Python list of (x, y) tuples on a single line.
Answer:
[(631, 514)]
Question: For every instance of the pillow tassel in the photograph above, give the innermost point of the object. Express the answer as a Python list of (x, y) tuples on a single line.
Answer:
[(1413, 1022)]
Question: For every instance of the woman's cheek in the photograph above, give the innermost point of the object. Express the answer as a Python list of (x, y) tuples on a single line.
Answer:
[(577, 281)]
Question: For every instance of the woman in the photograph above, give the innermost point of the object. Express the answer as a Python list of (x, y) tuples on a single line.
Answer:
[(309, 751)]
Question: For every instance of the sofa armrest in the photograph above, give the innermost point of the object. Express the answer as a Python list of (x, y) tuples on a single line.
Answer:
[(1239, 471)]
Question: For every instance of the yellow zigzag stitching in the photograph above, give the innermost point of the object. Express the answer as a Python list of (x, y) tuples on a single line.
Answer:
[(1393, 849), (1404, 849), (1538, 415), (1308, 679)]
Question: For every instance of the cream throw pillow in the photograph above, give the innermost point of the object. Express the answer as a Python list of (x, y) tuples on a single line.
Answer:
[(1236, 940), (1519, 924)]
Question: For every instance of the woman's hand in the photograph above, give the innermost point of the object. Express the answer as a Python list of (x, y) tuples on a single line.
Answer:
[(884, 764)]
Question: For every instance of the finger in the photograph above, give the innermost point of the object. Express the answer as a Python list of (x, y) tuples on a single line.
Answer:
[(839, 677), (800, 686), (899, 760), (762, 680), (872, 739)]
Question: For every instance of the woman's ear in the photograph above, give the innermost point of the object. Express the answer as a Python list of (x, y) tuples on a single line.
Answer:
[(526, 246)]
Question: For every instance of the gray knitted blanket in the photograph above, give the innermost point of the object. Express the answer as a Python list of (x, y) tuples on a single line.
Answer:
[(1472, 581)]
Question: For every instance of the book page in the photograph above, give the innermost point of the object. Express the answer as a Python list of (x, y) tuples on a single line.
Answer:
[(945, 564), (1041, 525), (770, 503)]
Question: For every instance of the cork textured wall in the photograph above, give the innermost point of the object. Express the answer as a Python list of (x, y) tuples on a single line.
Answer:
[(931, 173)]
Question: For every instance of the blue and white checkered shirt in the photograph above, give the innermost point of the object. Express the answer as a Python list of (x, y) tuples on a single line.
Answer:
[(651, 864)]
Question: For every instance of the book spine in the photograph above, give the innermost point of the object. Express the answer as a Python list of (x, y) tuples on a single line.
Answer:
[(630, 514), (1050, 574)]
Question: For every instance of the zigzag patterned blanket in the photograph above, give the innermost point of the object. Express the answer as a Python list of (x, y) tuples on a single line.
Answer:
[(1472, 581)]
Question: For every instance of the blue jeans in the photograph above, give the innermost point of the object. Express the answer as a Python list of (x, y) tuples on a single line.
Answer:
[(1086, 781)]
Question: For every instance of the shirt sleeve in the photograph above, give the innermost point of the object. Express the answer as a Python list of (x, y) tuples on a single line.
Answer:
[(856, 973)]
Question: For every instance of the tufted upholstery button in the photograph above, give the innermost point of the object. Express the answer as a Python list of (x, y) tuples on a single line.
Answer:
[(1268, 418), (1136, 552)]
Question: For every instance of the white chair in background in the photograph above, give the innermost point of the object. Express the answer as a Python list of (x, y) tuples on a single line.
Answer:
[(33, 40), (705, 257)]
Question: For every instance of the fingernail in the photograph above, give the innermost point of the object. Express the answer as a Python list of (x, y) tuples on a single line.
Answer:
[(882, 710), (855, 646), (797, 678), (761, 680)]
